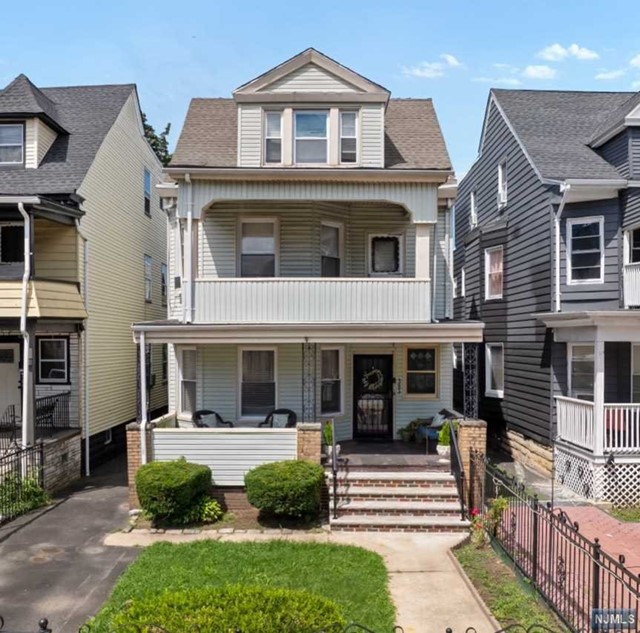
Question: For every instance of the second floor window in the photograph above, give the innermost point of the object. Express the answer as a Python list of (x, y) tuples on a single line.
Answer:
[(11, 144), (147, 192), (385, 256), (311, 136), (258, 248), (585, 250), (502, 184), (348, 137), (148, 279), (493, 272), (330, 247), (11, 243), (273, 137)]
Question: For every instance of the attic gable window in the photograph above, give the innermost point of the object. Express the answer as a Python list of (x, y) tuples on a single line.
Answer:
[(11, 143), (311, 137)]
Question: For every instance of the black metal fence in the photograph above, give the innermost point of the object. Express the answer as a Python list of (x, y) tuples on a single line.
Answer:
[(8, 429), (571, 572), (21, 481), (52, 413)]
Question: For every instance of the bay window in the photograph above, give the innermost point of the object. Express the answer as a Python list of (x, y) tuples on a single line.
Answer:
[(311, 136), (257, 382)]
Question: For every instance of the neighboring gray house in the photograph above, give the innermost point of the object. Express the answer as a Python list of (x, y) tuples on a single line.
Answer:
[(548, 257)]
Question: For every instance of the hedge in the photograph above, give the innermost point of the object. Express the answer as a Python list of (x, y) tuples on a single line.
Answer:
[(286, 489), (168, 491), (236, 607)]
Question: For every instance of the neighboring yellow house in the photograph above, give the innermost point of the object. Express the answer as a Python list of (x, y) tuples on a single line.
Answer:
[(82, 257)]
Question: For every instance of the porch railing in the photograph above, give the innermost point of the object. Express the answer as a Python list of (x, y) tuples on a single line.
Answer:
[(622, 428), (52, 413), (632, 285), (576, 421)]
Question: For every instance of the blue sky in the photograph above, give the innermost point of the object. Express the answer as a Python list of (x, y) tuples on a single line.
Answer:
[(453, 52)]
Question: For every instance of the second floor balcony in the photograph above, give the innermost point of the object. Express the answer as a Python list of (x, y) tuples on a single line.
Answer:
[(313, 300)]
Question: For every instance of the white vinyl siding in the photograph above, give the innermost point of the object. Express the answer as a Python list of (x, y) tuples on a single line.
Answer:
[(371, 136), (309, 78), (56, 251), (249, 135), (45, 137)]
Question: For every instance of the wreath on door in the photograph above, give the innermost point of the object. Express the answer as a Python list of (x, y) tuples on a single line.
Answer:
[(373, 380)]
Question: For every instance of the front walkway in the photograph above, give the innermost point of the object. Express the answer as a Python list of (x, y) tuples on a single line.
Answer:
[(427, 589), (57, 566)]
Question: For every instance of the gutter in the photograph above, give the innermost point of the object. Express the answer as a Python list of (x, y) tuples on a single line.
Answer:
[(26, 373), (19, 200)]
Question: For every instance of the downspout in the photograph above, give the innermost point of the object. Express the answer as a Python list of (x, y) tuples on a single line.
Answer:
[(449, 308), (188, 252), (565, 190), (26, 388), (85, 350), (434, 274)]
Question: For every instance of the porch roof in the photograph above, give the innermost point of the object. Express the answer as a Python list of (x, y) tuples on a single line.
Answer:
[(588, 326), (47, 299), (171, 331)]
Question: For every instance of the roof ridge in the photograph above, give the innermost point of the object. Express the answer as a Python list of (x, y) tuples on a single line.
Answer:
[(127, 85), (598, 92)]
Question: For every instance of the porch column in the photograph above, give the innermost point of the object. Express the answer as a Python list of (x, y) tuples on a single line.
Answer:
[(470, 381), (598, 397), (308, 382)]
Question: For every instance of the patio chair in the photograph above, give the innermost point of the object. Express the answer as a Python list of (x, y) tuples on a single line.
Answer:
[(207, 419), (292, 419)]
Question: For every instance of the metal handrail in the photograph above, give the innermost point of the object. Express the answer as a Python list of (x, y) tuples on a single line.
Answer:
[(457, 467), (334, 468)]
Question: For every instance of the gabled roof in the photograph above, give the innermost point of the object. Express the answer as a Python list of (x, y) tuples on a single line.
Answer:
[(614, 121), (86, 113), (413, 138), (311, 56), (22, 98), (555, 128)]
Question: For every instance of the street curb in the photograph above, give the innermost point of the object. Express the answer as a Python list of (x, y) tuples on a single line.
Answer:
[(28, 519), (481, 603)]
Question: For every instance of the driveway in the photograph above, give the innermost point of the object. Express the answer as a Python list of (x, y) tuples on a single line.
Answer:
[(56, 566)]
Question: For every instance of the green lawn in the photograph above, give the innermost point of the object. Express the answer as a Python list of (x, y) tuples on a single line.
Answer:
[(355, 578), (631, 514)]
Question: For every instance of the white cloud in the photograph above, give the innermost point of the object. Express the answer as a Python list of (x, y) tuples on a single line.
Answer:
[(539, 72), (556, 53), (510, 68), (498, 81), (451, 60), (607, 75), (635, 61)]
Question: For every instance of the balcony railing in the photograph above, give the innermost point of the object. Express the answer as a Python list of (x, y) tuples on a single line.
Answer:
[(632, 285), (615, 429), (282, 300)]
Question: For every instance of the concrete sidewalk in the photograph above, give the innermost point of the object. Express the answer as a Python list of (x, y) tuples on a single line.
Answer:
[(57, 566), (429, 592)]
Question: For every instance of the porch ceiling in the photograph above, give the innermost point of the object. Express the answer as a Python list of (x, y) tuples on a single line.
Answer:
[(255, 333), (576, 327)]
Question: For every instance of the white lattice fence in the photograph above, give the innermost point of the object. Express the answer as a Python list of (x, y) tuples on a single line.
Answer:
[(617, 483)]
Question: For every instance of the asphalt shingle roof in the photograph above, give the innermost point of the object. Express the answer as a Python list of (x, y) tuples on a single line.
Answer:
[(87, 114), (555, 127), (413, 138)]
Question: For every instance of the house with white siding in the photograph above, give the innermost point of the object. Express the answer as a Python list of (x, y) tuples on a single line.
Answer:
[(310, 258), (82, 256)]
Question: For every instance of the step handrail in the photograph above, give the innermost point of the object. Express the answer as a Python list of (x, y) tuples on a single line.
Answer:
[(457, 466)]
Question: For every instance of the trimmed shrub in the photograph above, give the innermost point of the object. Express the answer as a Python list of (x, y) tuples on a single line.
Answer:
[(168, 491), (232, 608), (286, 489), (204, 510)]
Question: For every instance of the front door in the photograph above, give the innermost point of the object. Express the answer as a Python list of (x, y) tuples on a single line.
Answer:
[(373, 396), (9, 377)]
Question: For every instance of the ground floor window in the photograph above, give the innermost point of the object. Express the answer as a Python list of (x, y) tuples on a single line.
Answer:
[(494, 370), (422, 372), (257, 382), (188, 381), (581, 371), (53, 360), (331, 381)]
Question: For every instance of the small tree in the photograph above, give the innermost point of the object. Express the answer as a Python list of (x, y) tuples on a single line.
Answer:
[(159, 142)]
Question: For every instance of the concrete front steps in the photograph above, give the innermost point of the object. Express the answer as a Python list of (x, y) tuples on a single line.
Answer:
[(416, 500)]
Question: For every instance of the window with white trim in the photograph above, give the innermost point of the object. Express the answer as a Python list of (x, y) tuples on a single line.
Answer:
[(257, 382), (385, 255), (493, 272), (581, 371), (331, 249), (348, 137), (148, 278), (147, 192), (258, 248), (585, 250), (11, 243), (163, 283), (11, 143), (331, 370), (473, 213), (188, 365), (502, 184), (273, 137), (422, 371), (494, 370), (633, 246), (311, 137), (53, 360)]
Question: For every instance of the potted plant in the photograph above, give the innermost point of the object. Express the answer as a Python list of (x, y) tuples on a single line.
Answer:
[(444, 440), (406, 434), (327, 439)]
